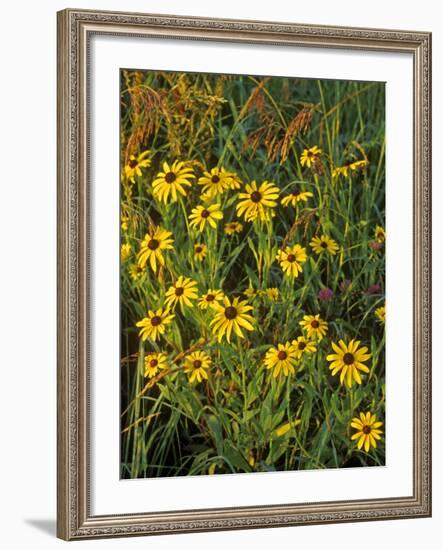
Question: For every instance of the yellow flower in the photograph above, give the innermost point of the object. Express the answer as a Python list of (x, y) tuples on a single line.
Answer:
[(291, 258), (152, 245), (258, 201), (196, 364), (380, 234), (182, 292), (233, 180), (281, 359), (233, 227), (295, 197), (348, 360), (324, 244), (155, 362), (125, 252), (272, 294), (136, 272), (214, 182), (315, 326), (153, 326), (349, 167), (251, 292), (173, 179), (135, 164), (380, 313), (367, 430), (124, 220), (231, 316), (301, 346), (340, 171), (310, 156), (210, 298), (200, 251), (202, 214), (358, 164)]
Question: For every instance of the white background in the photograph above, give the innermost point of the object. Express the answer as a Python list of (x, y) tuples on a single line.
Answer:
[(109, 494), (27, 492)]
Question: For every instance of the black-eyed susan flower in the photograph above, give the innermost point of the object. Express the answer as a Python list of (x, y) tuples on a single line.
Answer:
[(281, 359), (135, 164), (172, 180), (233, 227), (380, 313), (358, 164), (368, 431), (272, 293), (196, 365), (380, 234), (136, 272), (154, 362), (215, 182), (154, 325), (301, 346), (210, 298), (234, 180), (251, 292), (200, 250), (340, 171), (348, 361), (349, 167), (296, 196), (152, 245), (310, 156), (291, 260), (181, 292), (257, 202), (125, 252), (201, 215), (323, 244), (231, 316), (314, 326)]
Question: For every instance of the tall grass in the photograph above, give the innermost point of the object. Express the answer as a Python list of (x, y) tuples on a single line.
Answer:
[(242, 419)]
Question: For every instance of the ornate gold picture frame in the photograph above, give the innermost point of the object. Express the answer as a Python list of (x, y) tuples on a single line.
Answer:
[(76, 28)]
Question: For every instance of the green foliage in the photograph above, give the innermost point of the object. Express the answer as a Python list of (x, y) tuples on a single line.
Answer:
[(242, 419)]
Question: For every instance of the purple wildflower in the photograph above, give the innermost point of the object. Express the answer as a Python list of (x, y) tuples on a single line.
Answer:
[(325, 294)]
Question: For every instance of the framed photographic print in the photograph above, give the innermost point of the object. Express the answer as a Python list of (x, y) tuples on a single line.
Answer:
[(238, 203)]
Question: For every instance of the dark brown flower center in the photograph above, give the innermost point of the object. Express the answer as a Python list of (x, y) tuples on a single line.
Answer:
[(179, 291), (153, 363), (170, 177), (348, 358), (282, 355), (205, 213), (324, 245), (310, 154), (215, 179), (256, 196), (230, 312), (291, 258), (153, 244), (198, 249), (315, 324), (210, 298), (132, 163), (197, 364), (366, 429), (301, 346), (296, 193), (156, 320)]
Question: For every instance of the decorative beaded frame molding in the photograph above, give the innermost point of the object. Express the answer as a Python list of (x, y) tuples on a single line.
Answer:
[(75, 28)]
